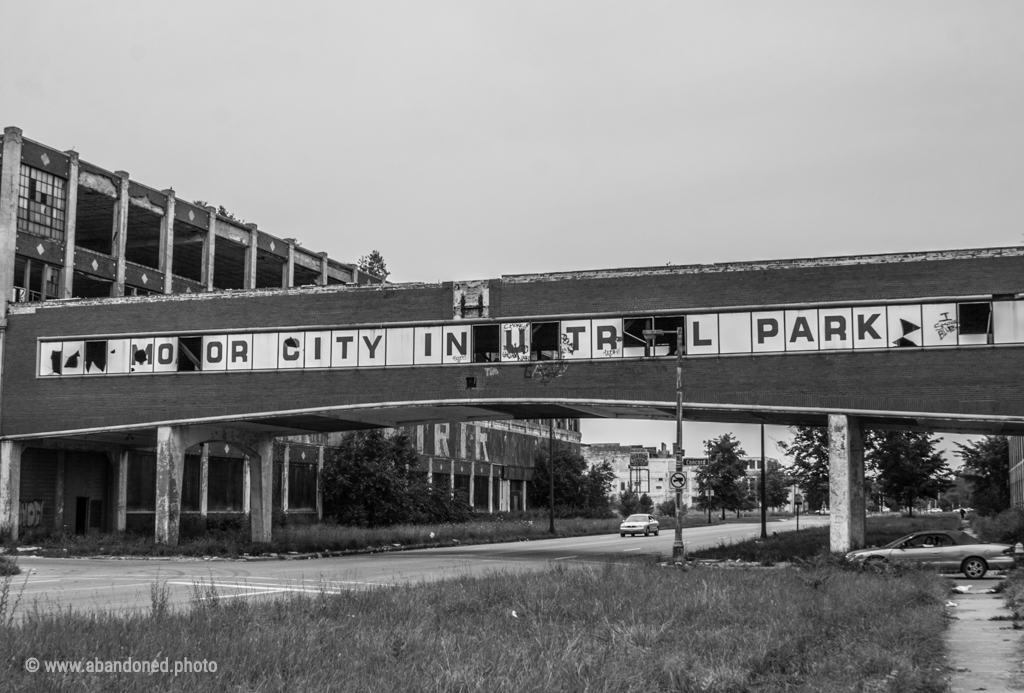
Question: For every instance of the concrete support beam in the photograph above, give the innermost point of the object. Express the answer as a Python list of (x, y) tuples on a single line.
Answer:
[(323, 269), (319, 484), (284, 477), (846, 483), (170, 465), (119, 234), (249, 280), (121, 492), (10, 175), (204, 481), (288, 269), (10, 487), (58, 491), (70, 225), (167, 242), (174, 441), (209, 246)]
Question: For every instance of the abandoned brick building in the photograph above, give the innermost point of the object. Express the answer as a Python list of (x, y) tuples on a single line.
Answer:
[(72, 232)]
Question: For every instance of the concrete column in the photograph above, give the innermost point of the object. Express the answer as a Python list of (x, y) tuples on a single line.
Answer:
[(209, 245), (451, 477), (119, 237), (430, 471), (167, 242), (323, 269), (846, 483), (249, 281), (170, 466), (10, 175), (121, 497), (261, 490), (204, 480), (284, 477), (70, 225), (319, 486), (246, 487), (58, 491), (490, 488), (10, 487), (288, 269), (472, 480), (525, 482)]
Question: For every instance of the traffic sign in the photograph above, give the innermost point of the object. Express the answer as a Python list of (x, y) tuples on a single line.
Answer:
[(677, 480)]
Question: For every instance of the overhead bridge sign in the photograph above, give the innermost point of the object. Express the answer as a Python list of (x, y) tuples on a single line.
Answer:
[(819, 329)]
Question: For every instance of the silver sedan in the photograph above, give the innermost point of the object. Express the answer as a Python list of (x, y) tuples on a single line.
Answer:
[(948, 550), (639, 524)]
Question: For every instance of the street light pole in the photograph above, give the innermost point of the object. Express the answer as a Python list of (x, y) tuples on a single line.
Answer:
[(551, 475), (678, 551)]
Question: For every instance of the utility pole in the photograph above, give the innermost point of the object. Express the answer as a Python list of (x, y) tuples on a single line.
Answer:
[(764, 492), (551, 475)]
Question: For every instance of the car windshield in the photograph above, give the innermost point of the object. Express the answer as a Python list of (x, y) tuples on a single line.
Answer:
[(959, 538), (636, 518)]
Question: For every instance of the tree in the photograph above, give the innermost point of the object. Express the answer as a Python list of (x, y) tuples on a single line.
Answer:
[(987, 468), (646, 504), (776, 485), (629, 503), (907, 465), (809, 452), (722, 474), (576, 485), (372, 481), (373, 264)]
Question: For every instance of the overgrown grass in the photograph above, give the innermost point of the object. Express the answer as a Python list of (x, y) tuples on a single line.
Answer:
[(8, 566), (631, 628), (1006, 528), (813, 541), (326, 537)]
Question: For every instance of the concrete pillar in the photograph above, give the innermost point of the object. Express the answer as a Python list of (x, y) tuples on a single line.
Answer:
[(472, 480), (119, 238), (10, 487), (261, 490), (170, 466), (209, 246), (167, 242), (323, 269), (121, 493), (70, 225), (319, 486), (246, 487), (490, 488), (10, 175), (846, 483), (58, 491), (288, 269), (204, 480), (284, 477), (249, 281)]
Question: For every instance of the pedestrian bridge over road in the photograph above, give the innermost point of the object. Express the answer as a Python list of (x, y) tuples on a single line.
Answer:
[(925, 341)]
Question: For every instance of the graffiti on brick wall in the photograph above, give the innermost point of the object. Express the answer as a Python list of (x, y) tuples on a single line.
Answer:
[(30, 513)]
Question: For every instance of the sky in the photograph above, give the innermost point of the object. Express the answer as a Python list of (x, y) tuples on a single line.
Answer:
[(470, 140)]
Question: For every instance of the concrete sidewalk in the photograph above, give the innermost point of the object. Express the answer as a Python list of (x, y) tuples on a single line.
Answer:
[(984, 654)]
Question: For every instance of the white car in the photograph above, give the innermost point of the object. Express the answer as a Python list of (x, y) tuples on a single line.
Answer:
[(639, 524)]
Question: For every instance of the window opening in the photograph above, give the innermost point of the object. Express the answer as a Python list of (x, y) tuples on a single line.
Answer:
[(486, 343), (42, 198), (544, 341), (665, 344), (189, 350), (634, 343), (975, 318)]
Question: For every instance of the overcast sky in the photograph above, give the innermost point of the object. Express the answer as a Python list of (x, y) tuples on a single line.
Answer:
[(473, 139)]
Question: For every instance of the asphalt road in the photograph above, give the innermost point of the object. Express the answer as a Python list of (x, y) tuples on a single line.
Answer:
[(104, 584)]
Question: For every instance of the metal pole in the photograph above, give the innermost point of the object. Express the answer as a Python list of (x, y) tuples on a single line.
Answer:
[(551, 474), (678, 551), (764, 492)]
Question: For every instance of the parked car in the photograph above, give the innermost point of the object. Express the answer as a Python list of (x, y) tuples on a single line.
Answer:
[(639, 524), (949, 550)]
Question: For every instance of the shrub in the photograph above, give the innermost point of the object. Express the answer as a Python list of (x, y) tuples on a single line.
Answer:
[(1006, 527)]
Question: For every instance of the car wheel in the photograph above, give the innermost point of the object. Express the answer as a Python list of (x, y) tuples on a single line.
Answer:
[(655, 532), (974, 568), (622, 534), (647, 531)]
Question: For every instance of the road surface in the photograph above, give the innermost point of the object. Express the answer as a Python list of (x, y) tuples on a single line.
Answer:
[(105, 584)]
